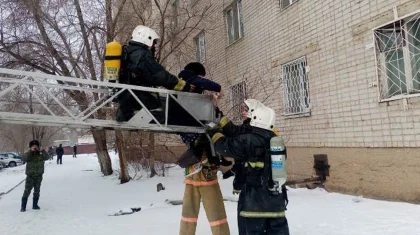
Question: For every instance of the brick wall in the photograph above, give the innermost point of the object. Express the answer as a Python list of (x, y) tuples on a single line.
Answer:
[(336, 38), (81, 149)]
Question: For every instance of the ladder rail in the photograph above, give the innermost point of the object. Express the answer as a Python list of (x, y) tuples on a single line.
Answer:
[(92, 83), (78, 117), (17, 82), (44, 120)]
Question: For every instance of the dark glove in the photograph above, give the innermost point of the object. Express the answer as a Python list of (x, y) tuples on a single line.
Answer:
[(219, 161), (214, 160), (188, 87), (228, 174), (225, 162)]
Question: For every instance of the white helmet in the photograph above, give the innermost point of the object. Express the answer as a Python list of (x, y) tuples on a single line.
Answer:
[(252, 104), (263, 117), (144, 35)]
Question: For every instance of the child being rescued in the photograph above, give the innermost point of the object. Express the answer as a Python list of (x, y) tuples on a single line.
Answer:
[(201, 181)]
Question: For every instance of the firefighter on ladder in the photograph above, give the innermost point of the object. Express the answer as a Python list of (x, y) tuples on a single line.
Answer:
[(261, 210), (135, 64)]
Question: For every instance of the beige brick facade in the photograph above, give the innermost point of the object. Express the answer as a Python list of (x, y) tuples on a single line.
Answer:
[(346, 120)]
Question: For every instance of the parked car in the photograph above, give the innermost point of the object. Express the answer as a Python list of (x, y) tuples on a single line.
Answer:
[(10, 159), (15, 155)]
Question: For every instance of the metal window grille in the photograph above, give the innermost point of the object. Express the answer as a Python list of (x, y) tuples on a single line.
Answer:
[(200, 47), (397, 51), (234, 20), (237, 96), (295, 87)]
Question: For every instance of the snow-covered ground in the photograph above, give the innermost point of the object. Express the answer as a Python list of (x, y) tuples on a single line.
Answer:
[(76, 199)]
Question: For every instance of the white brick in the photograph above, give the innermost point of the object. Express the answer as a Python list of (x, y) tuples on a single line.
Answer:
[(341, 69)]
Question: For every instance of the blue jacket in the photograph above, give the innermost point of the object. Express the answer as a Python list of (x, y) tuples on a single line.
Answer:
[(201, 84)]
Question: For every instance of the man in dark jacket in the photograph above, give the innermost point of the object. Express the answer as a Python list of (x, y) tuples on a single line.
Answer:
[(34, 170), (229, 129), (75, 151), (60, 152), (140, 68), (51, 153), (261, 209)]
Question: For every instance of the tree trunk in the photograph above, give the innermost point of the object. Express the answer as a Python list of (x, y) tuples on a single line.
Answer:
[(102, 151), (122, 151), (152, 154)]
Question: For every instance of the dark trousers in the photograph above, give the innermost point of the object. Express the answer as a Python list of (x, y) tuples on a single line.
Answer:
[(32, 181), (128, 105), (59, 159), (263, 226)]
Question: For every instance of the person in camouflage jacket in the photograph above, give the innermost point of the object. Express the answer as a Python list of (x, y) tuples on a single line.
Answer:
[(34, 170)]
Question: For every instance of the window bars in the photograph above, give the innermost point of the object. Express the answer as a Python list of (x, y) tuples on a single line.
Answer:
[(295, 87), (237, 96), (397, 51)]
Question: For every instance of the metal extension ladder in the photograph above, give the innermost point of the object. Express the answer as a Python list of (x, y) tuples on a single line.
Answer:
[(20, 88)]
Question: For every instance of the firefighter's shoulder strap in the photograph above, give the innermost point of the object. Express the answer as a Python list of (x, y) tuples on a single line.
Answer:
[(268, 177), (124, 76), (284, 193)]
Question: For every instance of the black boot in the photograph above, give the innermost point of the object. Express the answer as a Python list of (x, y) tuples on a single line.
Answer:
[(35, 204), (23, 206)]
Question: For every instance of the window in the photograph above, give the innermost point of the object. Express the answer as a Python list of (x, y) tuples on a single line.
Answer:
[(200, 47), (237, 96), (397, 47), (286, 3), (295, 87), (235, 27)]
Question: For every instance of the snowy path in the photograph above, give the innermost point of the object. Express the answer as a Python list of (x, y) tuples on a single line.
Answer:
[(76, 201)]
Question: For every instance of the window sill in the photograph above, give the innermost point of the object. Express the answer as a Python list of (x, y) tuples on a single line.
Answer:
[(234, 42), (297, 115), (400, 97)]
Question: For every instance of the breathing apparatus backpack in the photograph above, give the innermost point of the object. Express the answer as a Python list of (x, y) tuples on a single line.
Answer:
[(113, 57), (116, 69)]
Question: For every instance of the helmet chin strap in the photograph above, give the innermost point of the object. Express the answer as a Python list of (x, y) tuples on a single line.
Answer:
[(153, 50)]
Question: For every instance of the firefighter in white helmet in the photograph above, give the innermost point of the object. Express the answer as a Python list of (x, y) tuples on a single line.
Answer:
[(261, 210), (139, 67)]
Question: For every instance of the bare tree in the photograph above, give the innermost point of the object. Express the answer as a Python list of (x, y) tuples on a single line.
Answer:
[(122, 153), (17, 136), (176, 22), (63, 38)]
